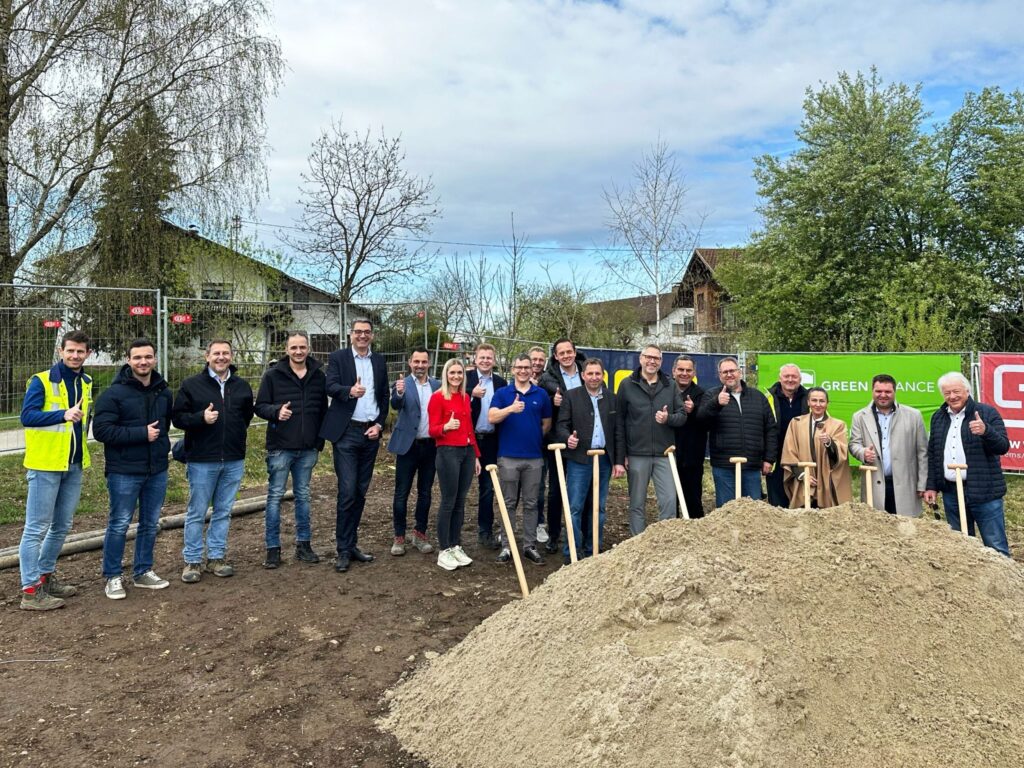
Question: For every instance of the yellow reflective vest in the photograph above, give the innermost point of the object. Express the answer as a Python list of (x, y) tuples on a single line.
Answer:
[(49, 448)]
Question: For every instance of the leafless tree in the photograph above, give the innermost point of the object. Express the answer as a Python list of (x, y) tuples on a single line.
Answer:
[(360, 209), (649, 219)]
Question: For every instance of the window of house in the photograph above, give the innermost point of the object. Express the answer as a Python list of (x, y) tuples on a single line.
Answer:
[(683, 328), (218, 291), (700, 302), (300, 297)]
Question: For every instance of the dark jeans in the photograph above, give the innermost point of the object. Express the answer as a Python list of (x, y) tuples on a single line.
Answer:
[(417, 462), (488, 445), (554, 512), (692, 480), (890, 496), (354, 455), (455, 467)]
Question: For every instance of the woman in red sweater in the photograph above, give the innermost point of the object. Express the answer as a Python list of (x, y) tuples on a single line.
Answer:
[(458, 460)]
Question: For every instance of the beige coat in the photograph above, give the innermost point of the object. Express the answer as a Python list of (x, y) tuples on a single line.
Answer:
[(833, 479), (908, 445)]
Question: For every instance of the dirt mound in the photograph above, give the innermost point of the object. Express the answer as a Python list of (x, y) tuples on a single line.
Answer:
[(754, 637)]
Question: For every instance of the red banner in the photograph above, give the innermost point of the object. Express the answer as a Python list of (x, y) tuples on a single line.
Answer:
[(182, 318), (135, 310), (452, 345), (1002, 385), (51, 323)]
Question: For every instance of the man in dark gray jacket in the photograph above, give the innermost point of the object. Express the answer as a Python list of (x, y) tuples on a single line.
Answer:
[(648, 411)]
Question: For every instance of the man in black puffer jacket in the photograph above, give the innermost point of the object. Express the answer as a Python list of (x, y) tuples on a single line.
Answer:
[(293, 400), (741, 423), (132, 420), (214, 407), (966, 432)]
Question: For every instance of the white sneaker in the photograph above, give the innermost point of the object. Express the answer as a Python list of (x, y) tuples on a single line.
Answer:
[(149, 580), (114, 588), (542, 533), (459, 554), (447, 560)]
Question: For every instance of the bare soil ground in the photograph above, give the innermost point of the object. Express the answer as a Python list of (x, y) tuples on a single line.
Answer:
[(267, 668)]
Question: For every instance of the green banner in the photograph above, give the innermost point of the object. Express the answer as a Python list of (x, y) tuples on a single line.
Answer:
[(847, 378)]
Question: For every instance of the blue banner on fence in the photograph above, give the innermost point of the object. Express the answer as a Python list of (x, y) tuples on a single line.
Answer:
[(620, 363)]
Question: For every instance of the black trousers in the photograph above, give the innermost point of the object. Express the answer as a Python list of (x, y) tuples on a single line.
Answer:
[(692, 480)]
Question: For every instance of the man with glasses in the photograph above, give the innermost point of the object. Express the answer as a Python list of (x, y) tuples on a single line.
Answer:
[(357, 383), (741, 423), (648, 412)]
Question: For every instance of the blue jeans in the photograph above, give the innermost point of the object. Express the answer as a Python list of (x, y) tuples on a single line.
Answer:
[(988, 517), (126, 493), (725, 484), (52, 500), (578, 484), (209, 482), (418, 462), (354, 456), (280, 464)]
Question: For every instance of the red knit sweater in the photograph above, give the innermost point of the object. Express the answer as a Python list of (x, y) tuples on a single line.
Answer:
[(440, 410)]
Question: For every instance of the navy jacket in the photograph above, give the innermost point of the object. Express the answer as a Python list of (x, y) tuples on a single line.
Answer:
[(472, 379), (122, 414), (409, 409), (224, 440), (984, 481), (341, 377), (308, 398), (748, 431)]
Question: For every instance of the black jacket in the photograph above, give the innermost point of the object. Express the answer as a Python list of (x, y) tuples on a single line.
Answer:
[(551, 381), (577, 415), (984, 480), (224, 440), (308, 399), (784, 410), (749, 431), (636, 431), (341, 377), (472, 379), (121, 418), (692, 437)]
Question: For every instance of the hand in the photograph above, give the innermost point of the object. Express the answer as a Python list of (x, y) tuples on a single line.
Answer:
[(661, 416), (210, 415), (573, 441), (373, 431), (766, 468), (286, 412), (930, 496), (358, 390), (814, 481), (452, 424), (824, 438), (74, 413), (920, 494), (869, 455), (557, 399), (400, 386), (618, 471), (518, 406), (688, 405), (479, 390), (977, 426), (476, 468), (153, 431), (723, 397)]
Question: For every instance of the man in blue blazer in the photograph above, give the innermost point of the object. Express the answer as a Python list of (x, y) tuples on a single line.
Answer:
[(481, 383), (357, 383), (414, 449)]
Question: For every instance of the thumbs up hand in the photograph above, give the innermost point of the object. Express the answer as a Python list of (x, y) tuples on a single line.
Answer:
[(74, 413), (723, 397), (400, 386), (286, 412), (452, 423), (518, 406), (210, 415), (661, 416), (357, 390), (688, 404), (573, 441), (479, 390), (557, 399), (977, 425)]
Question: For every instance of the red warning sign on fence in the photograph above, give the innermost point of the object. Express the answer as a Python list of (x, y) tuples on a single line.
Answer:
[(1002, 385), (453, 345), (51, 323), (182, 318), (136, 311)]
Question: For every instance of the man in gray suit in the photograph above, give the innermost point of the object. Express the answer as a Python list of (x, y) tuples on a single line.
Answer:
[(414, 451), (892, 437)]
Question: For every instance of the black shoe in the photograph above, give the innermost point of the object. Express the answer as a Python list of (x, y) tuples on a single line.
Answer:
[(359, 556), (552, 548), (305, 553), (487, 541), (342, 563), (273, 558), (531, 554), (505, 555), (566, 560)]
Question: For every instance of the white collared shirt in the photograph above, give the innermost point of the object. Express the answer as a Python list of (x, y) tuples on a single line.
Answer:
[(953, 452), (366, 406), (424, 391)]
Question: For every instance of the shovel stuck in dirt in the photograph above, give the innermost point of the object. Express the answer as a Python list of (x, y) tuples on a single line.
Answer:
[(566, 512), (510, 534), (739, 461), (867, 469), (959, 468), (597, 453), (807, 466), (675, 478)]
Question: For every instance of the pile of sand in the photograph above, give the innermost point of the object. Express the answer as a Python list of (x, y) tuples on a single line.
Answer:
[(753, 637)]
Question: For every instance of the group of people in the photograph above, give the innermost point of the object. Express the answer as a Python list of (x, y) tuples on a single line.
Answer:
[(448, 430)]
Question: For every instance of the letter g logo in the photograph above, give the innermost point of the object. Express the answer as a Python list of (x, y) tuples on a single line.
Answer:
[(1008, 391)]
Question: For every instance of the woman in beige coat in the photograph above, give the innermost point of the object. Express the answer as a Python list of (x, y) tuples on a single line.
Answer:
[(817, 437)]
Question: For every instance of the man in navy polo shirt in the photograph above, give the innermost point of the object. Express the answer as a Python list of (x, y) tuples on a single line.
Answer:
[(524, 411)]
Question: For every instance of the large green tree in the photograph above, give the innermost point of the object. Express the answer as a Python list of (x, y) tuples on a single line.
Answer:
[(872, 232)]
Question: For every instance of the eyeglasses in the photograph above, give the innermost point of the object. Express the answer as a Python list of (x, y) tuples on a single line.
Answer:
[(652, 358), (730, 371), (362, 333)]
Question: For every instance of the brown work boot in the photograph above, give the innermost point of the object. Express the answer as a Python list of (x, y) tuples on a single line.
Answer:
[(36, 598)]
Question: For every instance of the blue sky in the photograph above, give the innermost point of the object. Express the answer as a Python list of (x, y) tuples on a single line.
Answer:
[(535, 106)]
